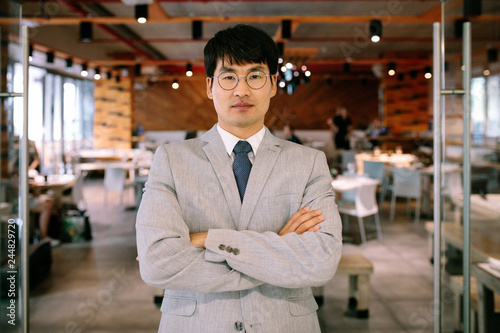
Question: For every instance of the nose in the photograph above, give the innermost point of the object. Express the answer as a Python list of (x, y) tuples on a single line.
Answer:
[(242, 88)]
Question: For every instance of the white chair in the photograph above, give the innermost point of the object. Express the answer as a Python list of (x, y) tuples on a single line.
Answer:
[(115, 179), (348, 156), (363, 205), (76, 197), (406, 184), (376, 170)]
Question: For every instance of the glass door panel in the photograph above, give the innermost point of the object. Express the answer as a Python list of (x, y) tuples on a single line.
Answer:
[(470, 171), (13, 276)]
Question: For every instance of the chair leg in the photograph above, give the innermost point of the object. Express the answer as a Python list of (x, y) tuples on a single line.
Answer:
[(379, 228), (393, 206), (362, 230), (417, 210)]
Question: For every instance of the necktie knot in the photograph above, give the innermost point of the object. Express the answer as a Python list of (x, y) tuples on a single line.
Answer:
[(242, 147)]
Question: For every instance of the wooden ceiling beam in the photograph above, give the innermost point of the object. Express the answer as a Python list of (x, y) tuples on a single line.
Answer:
[(236, 19)]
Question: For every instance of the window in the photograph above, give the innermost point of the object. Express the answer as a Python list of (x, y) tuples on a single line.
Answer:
[(60, 115), (485, 106)]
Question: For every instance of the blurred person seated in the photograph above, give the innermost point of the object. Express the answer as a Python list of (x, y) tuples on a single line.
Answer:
[(289, 133), (42, 204)]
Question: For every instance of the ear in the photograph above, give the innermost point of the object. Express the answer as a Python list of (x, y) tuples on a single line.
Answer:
[(274, 83), (209, 87)]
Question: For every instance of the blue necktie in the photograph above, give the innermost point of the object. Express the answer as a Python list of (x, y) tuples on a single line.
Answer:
[(242, 166)]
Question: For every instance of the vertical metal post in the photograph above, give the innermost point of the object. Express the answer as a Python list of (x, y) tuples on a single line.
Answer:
[(24, 186), (467, 171), (437, 172)]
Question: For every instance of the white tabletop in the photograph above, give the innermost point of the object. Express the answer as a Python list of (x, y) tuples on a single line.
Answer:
[(348, 183)]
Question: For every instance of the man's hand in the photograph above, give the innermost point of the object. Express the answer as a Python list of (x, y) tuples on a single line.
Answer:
[(302, 221), (199, 239)]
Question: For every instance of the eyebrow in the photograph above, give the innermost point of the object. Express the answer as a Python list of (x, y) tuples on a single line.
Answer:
[(232, 69)]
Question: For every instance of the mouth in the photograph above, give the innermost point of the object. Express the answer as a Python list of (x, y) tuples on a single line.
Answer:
[(242, 106)]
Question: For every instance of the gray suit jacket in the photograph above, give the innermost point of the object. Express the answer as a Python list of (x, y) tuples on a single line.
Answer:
[(248, 277)]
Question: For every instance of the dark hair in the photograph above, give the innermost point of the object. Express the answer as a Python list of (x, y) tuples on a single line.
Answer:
[(241, 44)]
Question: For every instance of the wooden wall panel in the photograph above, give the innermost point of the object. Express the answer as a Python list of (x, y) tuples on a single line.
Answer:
[(113, 114), (158, 107)]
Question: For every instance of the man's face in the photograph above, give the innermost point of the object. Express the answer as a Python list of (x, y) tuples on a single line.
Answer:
[(241, 111)]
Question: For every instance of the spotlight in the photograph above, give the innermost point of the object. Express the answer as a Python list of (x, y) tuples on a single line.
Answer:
[(281, 48), (347, 68), (189, 70), (392, 69), (413, 74), (286, 29), (375, 30), (85, 32), (137, 70), (84, 71), (30, 52), (401, 77), (175, 84), (118, 78), (492, 55), (109, 75), (197, 30), (428, 73), (486, 72), (69, 64), (141, 13), (50, 57), (97, 74)]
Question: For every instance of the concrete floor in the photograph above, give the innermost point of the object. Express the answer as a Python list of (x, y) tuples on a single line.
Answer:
[(96, 287)]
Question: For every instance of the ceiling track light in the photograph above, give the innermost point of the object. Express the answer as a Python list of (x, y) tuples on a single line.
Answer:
[(175, 84), (492, 55), (50, 57), (85, 32), (347, 67), (428, 72), (69, 64), (109, 75), (286, 29), (137, 70), (30, 52), (84, 71), (375, 30), (391, 68), (141, 13), (97, 74), (189, 70), (197, 27)]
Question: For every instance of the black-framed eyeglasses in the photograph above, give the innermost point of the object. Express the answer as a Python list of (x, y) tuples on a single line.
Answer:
[(229, 80)]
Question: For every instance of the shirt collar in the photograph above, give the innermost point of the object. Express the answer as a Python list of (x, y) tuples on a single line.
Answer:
[(230, 140)]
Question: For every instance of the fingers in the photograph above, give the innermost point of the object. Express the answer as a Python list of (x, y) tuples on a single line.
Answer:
[(302, 221), (310, 223)]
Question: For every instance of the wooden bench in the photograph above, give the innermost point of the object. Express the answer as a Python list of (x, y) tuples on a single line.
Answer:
[(359, 269)]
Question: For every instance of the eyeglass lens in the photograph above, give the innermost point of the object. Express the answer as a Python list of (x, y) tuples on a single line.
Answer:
[(229, 80)]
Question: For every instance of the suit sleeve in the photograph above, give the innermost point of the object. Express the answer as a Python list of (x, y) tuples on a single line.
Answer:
[(291, 260), (167, 259)]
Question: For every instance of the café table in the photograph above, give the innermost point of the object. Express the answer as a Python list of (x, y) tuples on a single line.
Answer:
[(487, 206), (390, 160), (488, 284), (55, 183)]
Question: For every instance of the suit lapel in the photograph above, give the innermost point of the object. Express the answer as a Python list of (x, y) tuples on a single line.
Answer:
[(265, 159), (221, 163)]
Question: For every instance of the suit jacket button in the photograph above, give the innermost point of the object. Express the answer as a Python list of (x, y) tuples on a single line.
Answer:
[(229, 249), (236, 251), (222, 247), (238, 326)]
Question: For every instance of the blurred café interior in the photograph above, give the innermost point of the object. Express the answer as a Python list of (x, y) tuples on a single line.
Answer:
[(402, 96)]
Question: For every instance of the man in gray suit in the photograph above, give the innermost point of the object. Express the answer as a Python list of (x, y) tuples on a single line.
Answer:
[(235, 255)]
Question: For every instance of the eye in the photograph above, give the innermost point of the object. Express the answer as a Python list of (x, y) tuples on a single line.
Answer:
[(255, 75), (227, 76)]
